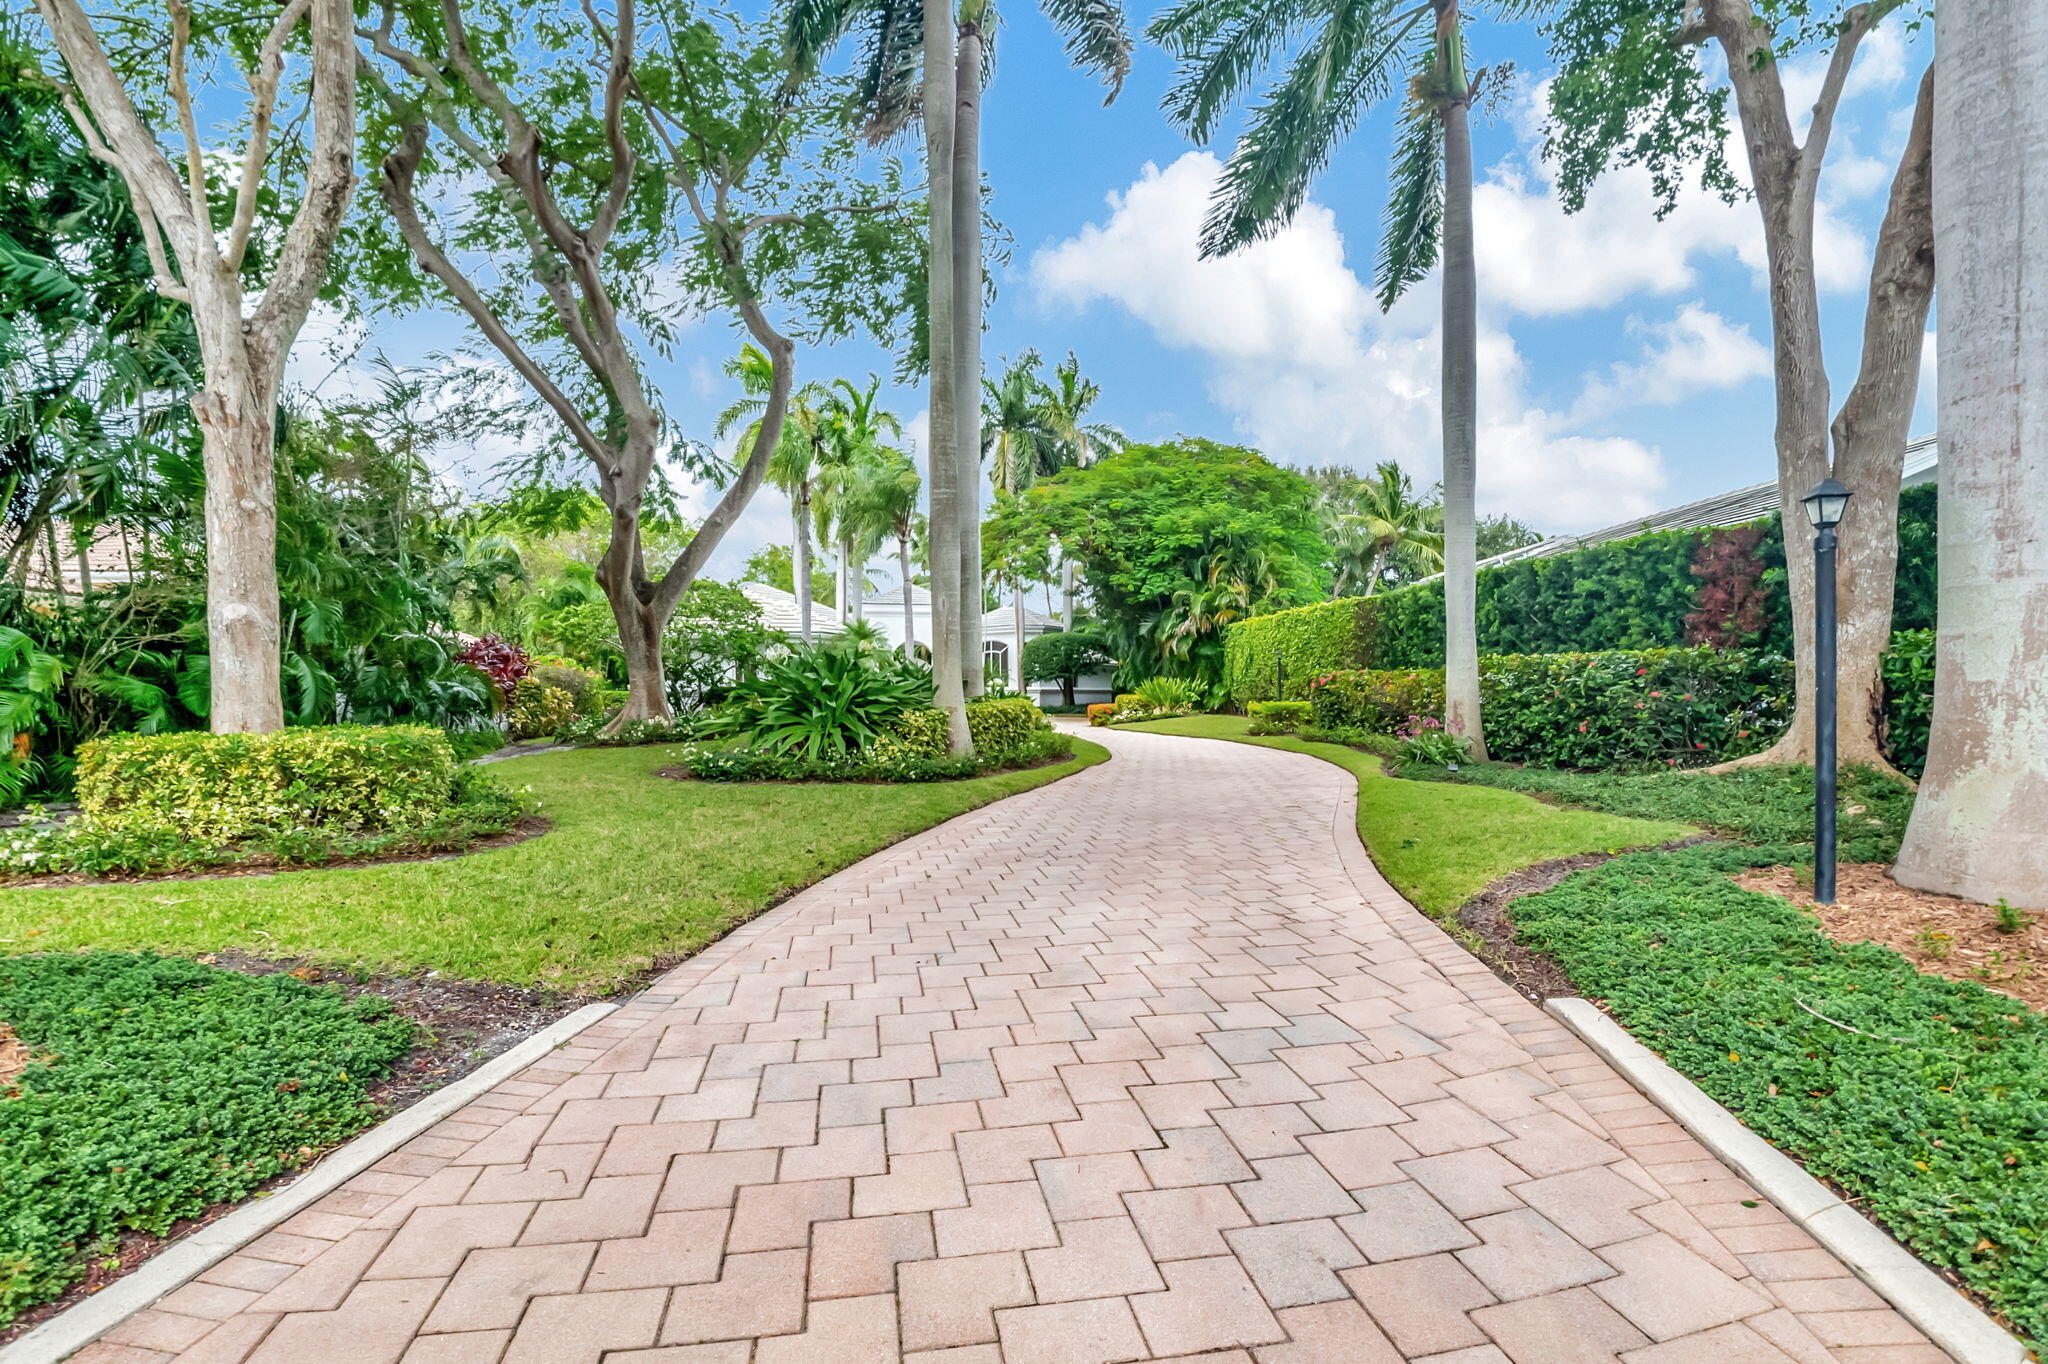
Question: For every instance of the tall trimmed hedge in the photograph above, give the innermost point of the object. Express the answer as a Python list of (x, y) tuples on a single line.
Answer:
[(1662, 590)]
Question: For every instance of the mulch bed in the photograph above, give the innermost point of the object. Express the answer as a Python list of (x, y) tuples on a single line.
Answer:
[(529, 826), (463, 1024), (1939, 934)]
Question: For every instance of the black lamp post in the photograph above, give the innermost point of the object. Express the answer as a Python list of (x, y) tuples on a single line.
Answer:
[(1824, 506), (1279, 675)]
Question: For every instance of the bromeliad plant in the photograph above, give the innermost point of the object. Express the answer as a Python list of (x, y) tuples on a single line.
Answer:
[(819, 701)]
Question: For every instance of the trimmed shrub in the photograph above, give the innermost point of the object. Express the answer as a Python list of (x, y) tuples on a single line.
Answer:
[(1677, 707), (224, 786), (586, 689), (1909, 698), (1277, 717), (538, 710), (1004, 728), (1292, 648), (1377, 701), (1664, 589), (1101, 712), (883, 762)]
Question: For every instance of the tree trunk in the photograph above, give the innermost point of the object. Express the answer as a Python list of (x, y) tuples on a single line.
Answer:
[(236, 416), (909, 593), (857, 572), (842, 603), (1869, 444), (1017, 629), (619, 573), (948, 606), (1460, 398), (967, 283), (1067, 574), (1980, 826), (802, 577)]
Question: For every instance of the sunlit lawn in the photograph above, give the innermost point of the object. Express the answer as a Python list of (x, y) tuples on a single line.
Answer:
[(638, 869), (1440, 843)]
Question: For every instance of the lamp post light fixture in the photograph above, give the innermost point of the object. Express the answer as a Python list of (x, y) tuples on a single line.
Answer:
[(1279, 674), (1824, 507)]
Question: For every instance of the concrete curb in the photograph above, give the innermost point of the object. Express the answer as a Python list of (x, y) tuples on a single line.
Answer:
[(78, 1326), (1922, 1296)]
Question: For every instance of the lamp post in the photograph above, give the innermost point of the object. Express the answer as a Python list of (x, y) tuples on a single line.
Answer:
[(1824, 506), (1279, 674)]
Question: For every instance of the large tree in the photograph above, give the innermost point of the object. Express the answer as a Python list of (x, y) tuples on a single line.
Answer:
[(248, 298), (1069, 400), (930, 59), (1175, 541), (1980, 826), (565, 151), (1339, 59), (1635, 88)]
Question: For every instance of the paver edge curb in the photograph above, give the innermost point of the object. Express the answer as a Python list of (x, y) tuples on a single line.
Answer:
[(1919, 1294), (81, 1324)]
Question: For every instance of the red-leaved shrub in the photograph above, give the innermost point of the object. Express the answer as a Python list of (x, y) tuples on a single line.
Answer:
[(498, 659)]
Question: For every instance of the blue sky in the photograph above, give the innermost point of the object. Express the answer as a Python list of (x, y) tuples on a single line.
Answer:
[(1624, 361)]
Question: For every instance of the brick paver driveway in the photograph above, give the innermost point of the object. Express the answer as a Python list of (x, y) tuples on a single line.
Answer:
[(1146, 1064)]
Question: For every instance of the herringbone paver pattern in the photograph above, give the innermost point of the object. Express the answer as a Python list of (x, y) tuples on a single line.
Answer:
[(1145, 1065)]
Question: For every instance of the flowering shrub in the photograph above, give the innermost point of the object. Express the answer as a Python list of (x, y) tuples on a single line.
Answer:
[(1641, 707), (1427, 742), (589, 731), (1277, 717), (1101, 713), (500, 660), (538, 710), (224, 786)]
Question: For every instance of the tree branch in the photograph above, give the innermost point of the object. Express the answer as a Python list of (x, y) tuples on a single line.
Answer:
[(395, 184), (167, 283), (618, 82), (1855, 24), (263, 83), (188, 123)]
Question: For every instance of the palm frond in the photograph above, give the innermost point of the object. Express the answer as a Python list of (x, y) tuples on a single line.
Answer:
[(1098, 37), (1414, 214)]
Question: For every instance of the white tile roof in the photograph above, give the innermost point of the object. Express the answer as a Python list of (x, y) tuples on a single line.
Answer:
[(779, 611), (1000, 621)]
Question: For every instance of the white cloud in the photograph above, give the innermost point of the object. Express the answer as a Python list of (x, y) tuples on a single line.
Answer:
[(1309, 369), (1697, 351)]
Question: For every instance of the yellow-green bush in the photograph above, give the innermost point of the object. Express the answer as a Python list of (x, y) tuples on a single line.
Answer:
[(999, 730), (538, 710), (1277, 717), (232, 785)]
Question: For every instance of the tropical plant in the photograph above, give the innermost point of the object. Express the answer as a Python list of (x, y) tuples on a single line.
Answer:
[(1168, 693), (818, 701), (1340, 59), (855, 458), (714, 641), (1374, 524), (28, 687), (1065, 406), (498, 659)]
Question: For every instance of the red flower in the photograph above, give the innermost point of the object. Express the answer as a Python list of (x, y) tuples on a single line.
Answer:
[(1642, 672), (1701, 744), (1656, 694)]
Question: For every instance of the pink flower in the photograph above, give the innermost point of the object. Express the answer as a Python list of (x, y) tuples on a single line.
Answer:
[(1642, 672), (1656, 694), (1582, 727)]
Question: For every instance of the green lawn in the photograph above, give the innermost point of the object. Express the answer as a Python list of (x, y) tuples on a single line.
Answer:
[(1439, 843), (639, 870)]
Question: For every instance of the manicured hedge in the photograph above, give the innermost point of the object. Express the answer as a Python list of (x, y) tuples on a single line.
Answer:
[(232, 785), (1909, 698), (1665, 589), (1278, 717), (998, 729), (1633, 707)]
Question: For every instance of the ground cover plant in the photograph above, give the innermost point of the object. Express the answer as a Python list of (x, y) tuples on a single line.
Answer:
[(159, 1087), (1441, 844), (636, 871)]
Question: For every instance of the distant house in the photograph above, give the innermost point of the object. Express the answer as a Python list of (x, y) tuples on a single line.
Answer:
[(110, 560), (1743, 505), (1000, 645), (779, 612)]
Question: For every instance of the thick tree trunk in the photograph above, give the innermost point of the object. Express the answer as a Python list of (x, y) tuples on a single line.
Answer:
[(621, 572), (909, 593), (243, 614), (1869, 443), (1460, 401), (1980, 826), (948, 606), (967, 283)]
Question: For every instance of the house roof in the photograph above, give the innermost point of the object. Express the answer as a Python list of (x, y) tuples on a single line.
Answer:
[(998, 621), (1923, 458), (779, 611), (108, 558)]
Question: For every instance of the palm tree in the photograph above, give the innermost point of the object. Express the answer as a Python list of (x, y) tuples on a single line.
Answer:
[(884, 507), (793, 464), (1066, 405), (1340, 58), (1018, 439), (1372, 521), (855, 424), (944, 49)]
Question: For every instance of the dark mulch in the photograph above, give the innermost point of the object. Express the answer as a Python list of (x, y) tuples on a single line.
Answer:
[(1486, 915), (462, 1023)]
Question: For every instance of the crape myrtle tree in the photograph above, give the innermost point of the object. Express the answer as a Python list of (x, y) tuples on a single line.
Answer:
[(1635, 88), (212, 247), (1980, 826), (1340, 58), (578, 181), (929, 59)]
